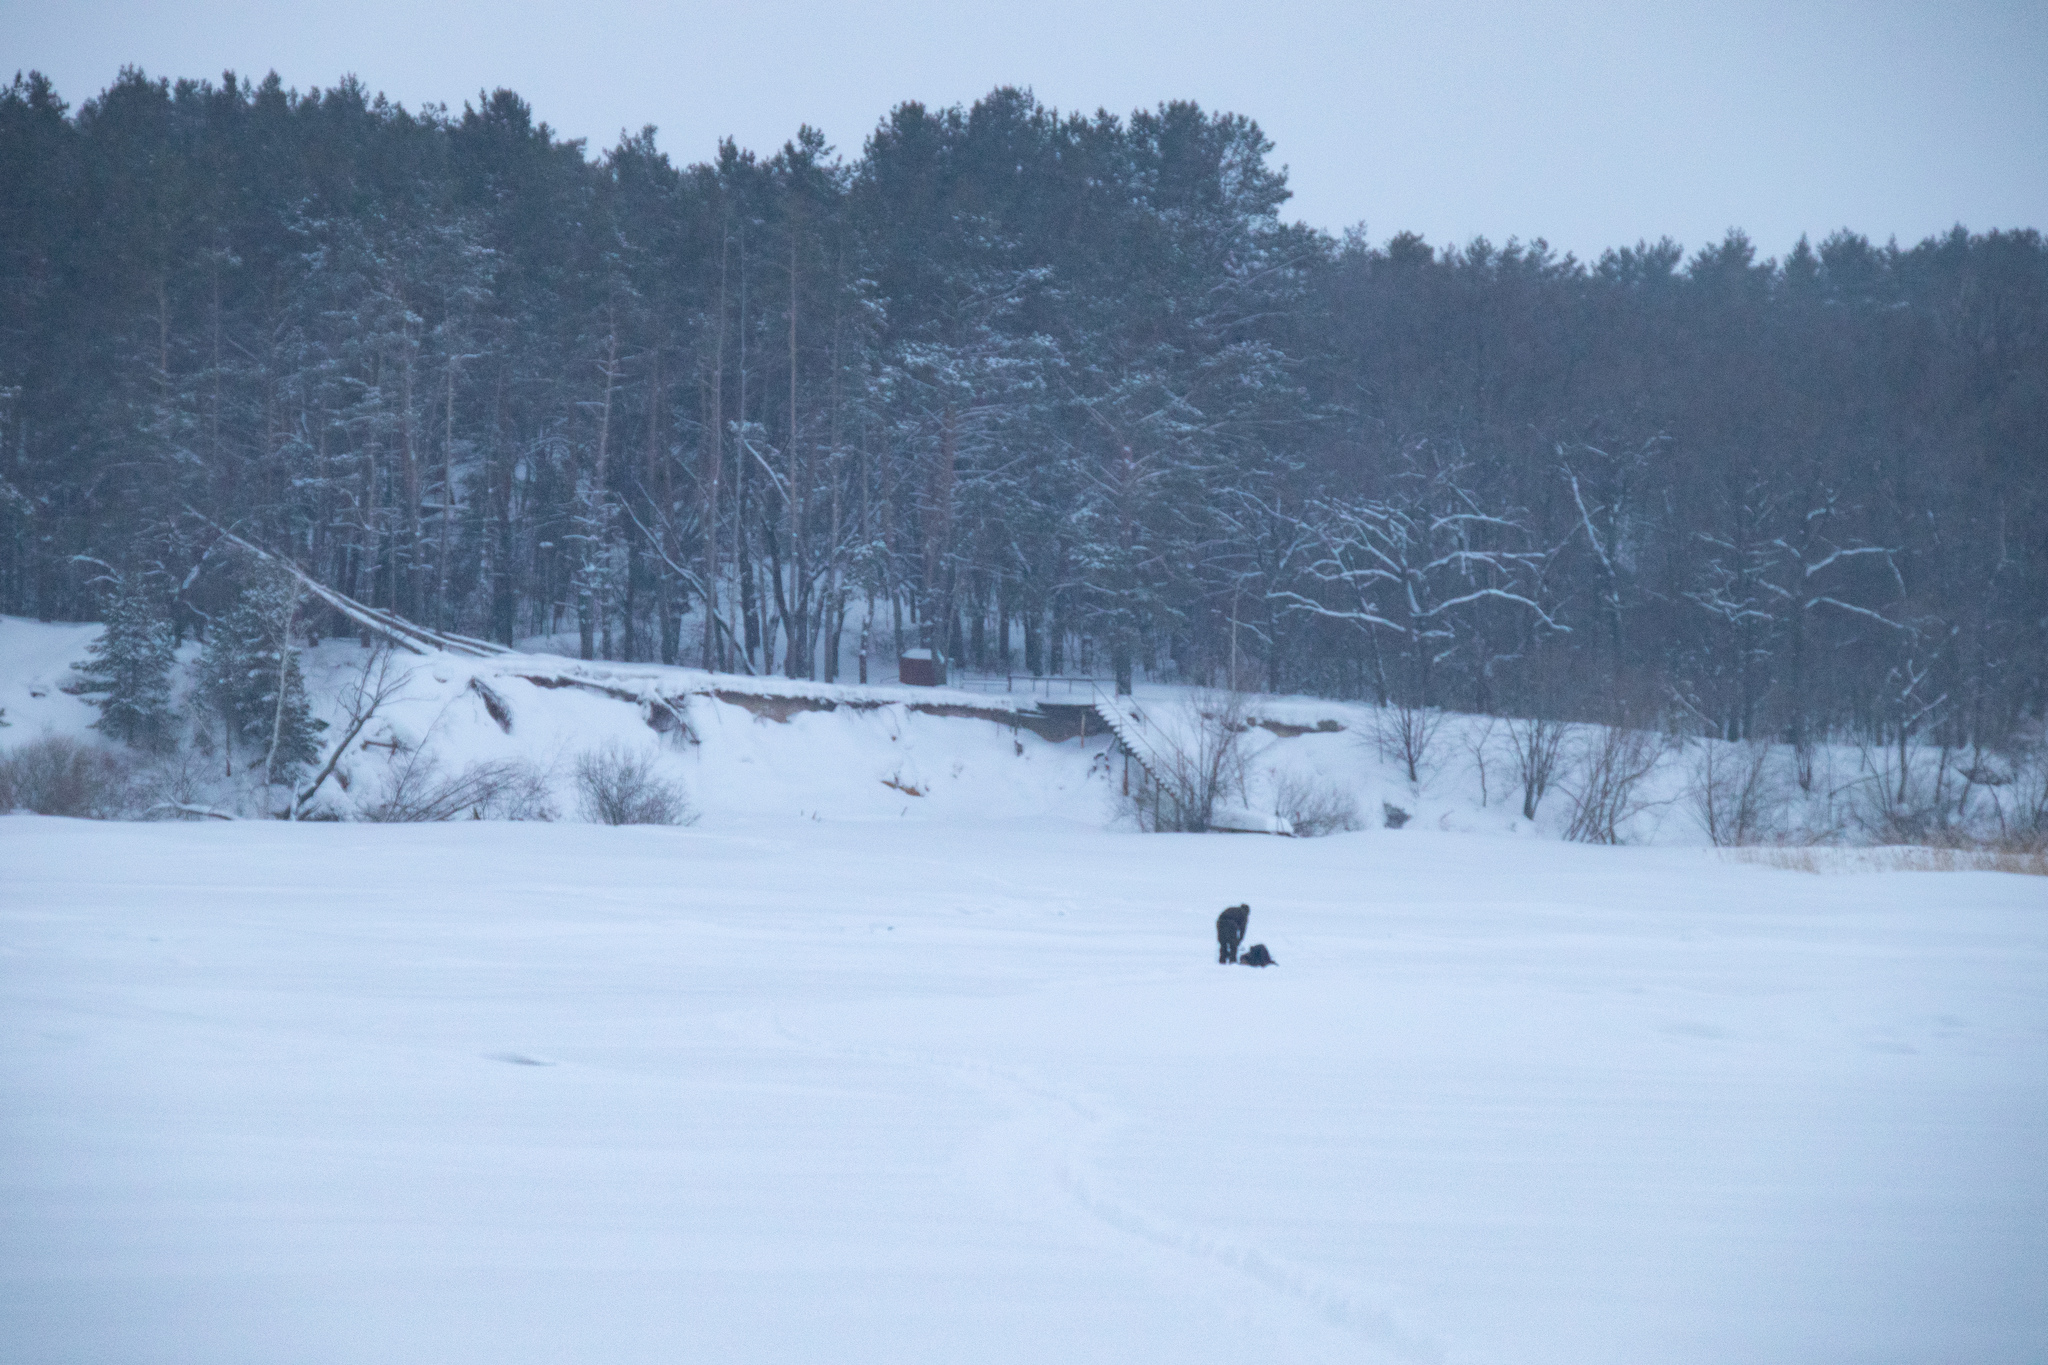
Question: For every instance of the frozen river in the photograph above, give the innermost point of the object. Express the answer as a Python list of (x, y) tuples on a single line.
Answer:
[(882, 1092)]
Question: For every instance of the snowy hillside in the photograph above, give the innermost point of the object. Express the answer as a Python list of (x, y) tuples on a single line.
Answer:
[(505, 737), (748, 748), (35, 668)]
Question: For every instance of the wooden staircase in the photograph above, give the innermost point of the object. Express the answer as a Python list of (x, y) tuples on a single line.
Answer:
[(1126, 720)]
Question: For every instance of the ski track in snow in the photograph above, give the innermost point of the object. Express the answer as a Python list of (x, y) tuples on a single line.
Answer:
[(1041, 1146)]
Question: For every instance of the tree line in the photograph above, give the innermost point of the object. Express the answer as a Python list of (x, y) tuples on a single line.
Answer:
[(1044, 391)]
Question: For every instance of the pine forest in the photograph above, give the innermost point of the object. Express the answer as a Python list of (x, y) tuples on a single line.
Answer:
[(1043, 391)]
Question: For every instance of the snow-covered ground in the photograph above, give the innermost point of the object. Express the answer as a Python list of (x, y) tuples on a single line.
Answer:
[(774, 1089), (35, 664)]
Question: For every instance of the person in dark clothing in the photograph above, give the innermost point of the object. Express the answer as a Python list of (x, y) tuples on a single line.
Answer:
[(1257, 956), (1230, 926)]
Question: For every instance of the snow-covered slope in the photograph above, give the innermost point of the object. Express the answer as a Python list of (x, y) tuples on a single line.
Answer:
[(747, 748), (832, 752), (876, 753), (888, 1092), (35, 665)]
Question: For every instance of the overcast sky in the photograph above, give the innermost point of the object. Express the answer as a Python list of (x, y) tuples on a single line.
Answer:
[(1588, 124)]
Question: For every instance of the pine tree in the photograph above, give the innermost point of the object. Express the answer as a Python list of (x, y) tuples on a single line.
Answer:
[(250, 675), (294, 731), (129, 670), (225, 670)]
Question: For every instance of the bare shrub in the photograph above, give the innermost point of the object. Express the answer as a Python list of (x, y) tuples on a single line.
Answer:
[(1406, 735), (177, 786), (1606, 785), (1897, 801), (1478, 741), (1731, 791), (524, 792), (2021, 802), (179, 778), (1534, 747), (59, 776), (1193, 766), (1315, 806), (419, 791), (618, 787)]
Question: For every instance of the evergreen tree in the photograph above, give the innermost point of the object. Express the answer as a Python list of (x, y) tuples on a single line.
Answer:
[(249, 675), (129, 669)]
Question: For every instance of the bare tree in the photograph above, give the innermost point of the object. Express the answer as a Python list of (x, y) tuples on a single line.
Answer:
[(2022, 802), (1534, 745), (287, 609), (1898, 800), (1406, 734), (1730, 789), (1478, 741), (1606, 787), (1418, 567), (373, 684), (1193, 766)]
